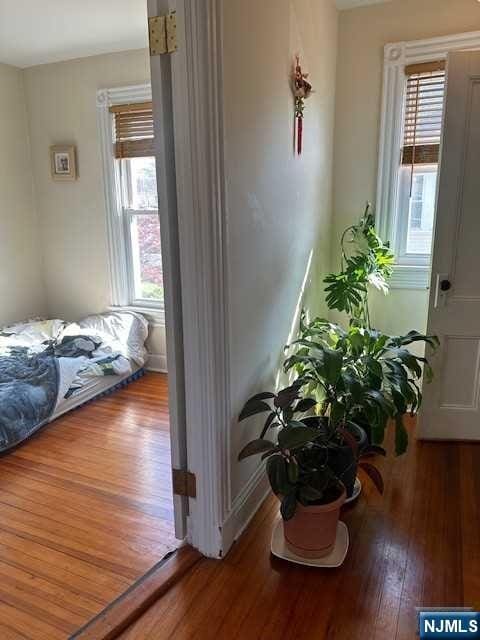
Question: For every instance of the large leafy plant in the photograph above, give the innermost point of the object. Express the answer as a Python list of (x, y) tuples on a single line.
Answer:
[(366, 262), (361, 375)]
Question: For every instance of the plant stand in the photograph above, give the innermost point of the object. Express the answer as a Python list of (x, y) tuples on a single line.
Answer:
[(334, 559)]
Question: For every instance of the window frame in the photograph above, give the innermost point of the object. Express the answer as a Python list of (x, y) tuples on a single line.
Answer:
[(118, 216), (414, 272)]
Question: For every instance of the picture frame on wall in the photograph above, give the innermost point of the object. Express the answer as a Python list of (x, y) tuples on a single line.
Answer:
[(63, 162)]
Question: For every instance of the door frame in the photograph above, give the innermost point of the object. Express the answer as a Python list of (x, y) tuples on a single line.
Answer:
[(187, 95)]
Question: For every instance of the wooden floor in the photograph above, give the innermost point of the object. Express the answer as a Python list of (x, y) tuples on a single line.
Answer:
[(419, 544), (85, 510)]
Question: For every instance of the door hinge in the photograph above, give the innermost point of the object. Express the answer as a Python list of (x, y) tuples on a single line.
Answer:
[(184, 483), (162, 32)]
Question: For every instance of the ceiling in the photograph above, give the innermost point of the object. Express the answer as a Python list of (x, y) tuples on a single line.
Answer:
[(33, 32), (351, 4)]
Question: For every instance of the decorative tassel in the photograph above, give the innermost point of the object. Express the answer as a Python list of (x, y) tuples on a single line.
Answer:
[(301, 90), (299, 135)]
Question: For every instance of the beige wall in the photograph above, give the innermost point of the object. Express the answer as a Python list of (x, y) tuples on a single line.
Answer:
[(22, 293), (61, 101), (279, 205), (362, 34)]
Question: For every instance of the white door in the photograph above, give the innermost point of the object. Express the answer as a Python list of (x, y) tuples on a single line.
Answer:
[(451, 403)]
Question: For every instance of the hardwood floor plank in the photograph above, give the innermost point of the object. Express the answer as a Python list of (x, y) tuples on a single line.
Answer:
[(85, 510), (470, 524)]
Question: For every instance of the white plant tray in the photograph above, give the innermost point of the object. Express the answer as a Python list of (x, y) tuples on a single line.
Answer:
[(334, 559), (357, 490)]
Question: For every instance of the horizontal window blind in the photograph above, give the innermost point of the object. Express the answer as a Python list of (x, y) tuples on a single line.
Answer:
[(134, 136), (423, 113)]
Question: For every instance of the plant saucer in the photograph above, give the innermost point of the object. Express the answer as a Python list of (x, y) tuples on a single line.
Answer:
[(334, 559), (357, 490)]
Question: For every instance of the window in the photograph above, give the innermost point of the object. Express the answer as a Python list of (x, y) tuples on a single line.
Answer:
[(416, 209), (142, 227), (132, 201), (417, 175), (410, 139)]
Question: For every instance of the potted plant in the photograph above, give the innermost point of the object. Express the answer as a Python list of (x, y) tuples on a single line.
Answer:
[(298, 466), (366, 263), (361, 376)]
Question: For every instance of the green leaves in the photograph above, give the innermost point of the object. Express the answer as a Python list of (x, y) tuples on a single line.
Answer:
[(368, 262), (296, 435), (401, 436), (332, 365), (344, 291), (305, 405), (269, 422), (288, 506), (256, 404), (287, 396), (255, 447), (277, 475)]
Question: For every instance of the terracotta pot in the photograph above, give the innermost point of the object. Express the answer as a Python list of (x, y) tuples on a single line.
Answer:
[(312, 531)]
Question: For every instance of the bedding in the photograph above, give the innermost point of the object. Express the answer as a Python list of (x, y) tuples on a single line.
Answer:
[(44, 364)]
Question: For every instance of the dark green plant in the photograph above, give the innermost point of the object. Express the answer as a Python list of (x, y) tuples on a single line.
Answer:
[(298, 452), (361, 376), (368, 262), (297, 456)]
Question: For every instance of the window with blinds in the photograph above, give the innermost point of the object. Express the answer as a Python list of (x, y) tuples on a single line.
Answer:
[(423, 113), (134, 135)]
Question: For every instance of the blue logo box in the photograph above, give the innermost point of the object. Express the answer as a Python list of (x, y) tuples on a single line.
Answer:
[(449, 624)]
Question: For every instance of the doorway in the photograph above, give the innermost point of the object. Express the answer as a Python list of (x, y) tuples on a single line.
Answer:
[(85, 479)]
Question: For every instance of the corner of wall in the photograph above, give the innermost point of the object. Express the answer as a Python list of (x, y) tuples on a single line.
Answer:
[(34, 198)]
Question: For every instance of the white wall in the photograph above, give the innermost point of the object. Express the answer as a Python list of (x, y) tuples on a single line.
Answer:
[(22, 293), (279, 205), (362, 34), (61, 100)]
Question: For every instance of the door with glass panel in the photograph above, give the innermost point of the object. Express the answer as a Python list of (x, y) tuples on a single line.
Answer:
[(451, 408)]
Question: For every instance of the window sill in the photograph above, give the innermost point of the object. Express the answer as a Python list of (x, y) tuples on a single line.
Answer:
[(410, 277), (156, 317)]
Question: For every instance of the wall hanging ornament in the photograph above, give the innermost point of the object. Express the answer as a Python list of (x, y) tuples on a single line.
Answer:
[(302, 90)]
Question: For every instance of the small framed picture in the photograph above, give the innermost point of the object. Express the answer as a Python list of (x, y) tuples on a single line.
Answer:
[(62, 161)]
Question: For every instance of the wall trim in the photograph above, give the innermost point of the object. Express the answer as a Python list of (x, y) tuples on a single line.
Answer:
[(244, 507), (156, 362), (396, 56)]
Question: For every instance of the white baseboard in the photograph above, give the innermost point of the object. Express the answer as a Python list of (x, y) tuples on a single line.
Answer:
[(244, 507), (156, 362)]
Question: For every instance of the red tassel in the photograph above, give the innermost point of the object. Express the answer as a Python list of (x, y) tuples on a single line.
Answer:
[(299, 135), (294, 134)]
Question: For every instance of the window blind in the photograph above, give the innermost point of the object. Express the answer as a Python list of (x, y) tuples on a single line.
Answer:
[(134, 136), (423, 113)]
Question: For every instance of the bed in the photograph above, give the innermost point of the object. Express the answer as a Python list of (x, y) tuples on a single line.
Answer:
[(49, 367)]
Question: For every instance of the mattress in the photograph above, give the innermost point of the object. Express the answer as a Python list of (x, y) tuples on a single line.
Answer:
[(94, 387), (49, 367)]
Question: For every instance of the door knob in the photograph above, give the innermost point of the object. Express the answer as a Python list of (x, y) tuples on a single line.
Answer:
[(445, 285)]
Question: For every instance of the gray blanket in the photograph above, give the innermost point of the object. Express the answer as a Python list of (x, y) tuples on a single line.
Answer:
[(28, 394)]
